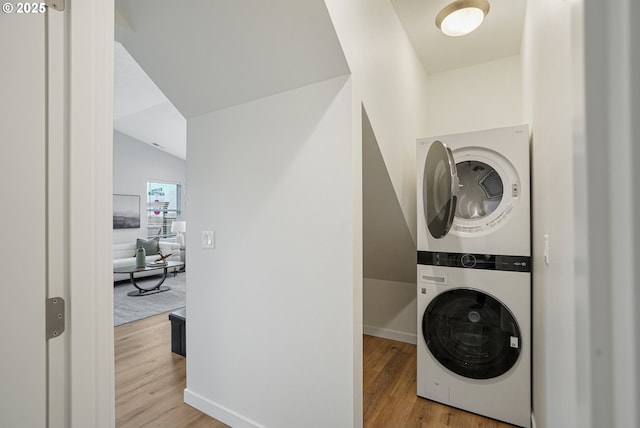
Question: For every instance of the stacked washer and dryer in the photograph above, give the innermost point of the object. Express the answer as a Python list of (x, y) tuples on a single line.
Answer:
[(474, 272)]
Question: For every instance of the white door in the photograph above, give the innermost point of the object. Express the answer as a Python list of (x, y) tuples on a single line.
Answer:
[(24, 213)]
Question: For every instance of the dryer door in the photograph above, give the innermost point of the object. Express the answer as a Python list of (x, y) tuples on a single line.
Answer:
[(471, 333), (440, 188)]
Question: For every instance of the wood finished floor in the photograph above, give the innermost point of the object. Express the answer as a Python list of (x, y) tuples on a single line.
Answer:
[(150, 381), (389, 392)]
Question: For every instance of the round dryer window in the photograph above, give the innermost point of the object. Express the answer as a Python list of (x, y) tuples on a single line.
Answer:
[(489, 188), (471, 333)]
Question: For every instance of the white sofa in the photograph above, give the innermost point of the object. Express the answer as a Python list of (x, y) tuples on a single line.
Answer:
[(125, 255)]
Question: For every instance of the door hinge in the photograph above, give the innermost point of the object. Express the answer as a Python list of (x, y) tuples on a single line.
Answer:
[(55, 4), (55, 317)]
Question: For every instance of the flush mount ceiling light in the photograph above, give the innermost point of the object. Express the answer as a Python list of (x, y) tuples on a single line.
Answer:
[(462, 17)]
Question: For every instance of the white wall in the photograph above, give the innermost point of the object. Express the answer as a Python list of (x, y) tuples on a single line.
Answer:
[(135, 163), (482, 96), (547, 70), (606, 135), (390, 309), (391, 83), (271, 309), (389, 253), (388, 248)]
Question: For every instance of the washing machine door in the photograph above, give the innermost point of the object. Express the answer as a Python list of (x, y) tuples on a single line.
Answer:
[(471, 333), (440, 189)]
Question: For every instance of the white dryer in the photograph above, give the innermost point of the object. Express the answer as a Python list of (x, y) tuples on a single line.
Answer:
[(474, 341), (473, 192)]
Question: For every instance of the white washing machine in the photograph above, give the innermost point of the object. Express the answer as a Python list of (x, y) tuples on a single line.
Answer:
[(474, 341), (473, 192)]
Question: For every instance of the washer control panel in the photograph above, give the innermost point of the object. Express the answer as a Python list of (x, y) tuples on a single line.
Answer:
[(475, 261)]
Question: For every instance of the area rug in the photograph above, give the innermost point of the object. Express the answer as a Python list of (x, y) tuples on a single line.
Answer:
[(127, 308)]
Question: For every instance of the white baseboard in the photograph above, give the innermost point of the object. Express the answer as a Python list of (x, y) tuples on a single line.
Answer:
[(385, 333), (218, 412)]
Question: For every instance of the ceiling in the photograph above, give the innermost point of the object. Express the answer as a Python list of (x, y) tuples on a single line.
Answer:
[(499, 36), (218, 55), (142, 111)]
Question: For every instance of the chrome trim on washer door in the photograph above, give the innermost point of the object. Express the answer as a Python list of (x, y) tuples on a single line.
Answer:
[(439, 189)]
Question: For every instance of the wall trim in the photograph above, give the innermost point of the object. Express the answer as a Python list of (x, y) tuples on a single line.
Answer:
[(533, 421), (386, 333), (218, 411), (89, 170)]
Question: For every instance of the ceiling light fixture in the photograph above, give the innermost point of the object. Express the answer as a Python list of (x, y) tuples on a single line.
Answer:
[(462, 17)]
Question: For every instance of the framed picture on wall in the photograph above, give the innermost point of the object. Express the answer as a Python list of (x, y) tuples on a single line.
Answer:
[(126, 211)]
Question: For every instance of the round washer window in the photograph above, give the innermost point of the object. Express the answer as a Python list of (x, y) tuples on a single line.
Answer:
[(480, 190), (471, 333)]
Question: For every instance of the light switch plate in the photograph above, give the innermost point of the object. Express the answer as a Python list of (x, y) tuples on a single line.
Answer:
[(208, 239)]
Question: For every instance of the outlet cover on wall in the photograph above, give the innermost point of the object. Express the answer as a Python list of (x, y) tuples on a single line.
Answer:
[(208, 239)]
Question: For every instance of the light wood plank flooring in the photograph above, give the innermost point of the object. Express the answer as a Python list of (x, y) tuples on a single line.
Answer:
[(389, 392), (150, 380)]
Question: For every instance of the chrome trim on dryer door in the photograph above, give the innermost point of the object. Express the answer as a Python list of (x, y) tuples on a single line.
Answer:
[(439, 189)]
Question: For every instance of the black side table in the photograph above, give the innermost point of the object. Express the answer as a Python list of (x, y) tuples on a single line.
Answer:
[(178, 320)]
